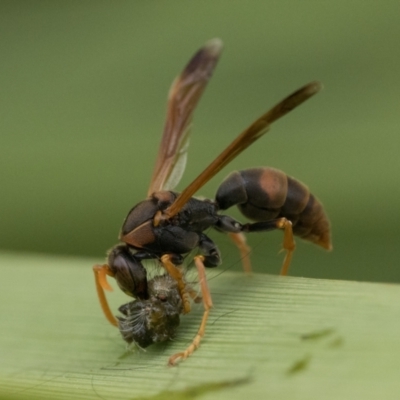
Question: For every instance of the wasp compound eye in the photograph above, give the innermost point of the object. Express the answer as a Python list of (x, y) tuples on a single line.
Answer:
[(128, 272)]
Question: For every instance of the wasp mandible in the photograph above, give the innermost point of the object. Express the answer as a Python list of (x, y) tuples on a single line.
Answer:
[(167, 225)]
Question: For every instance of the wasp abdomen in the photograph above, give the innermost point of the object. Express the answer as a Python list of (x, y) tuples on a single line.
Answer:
[(262, 194)]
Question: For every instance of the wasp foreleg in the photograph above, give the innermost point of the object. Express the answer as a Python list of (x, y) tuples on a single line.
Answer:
[(100, 273)]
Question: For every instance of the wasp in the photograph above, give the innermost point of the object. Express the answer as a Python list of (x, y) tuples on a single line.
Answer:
[(168, 225)]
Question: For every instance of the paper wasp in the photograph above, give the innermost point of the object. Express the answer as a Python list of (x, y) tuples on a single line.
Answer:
[(168, 225)]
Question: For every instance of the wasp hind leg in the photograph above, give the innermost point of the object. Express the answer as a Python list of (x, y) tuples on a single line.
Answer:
[(240, 241), (288, 245), (100, 276), (207, 304)]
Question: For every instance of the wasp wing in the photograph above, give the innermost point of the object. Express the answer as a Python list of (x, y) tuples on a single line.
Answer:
[(244, 140), (183, 97)]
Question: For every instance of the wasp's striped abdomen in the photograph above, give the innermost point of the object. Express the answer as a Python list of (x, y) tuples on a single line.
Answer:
[(267, 193)]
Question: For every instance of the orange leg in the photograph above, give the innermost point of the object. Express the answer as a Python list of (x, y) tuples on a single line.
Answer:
[(288, 240), (194, 295), (100, 276), (240, 241), (207, 303), (288, 243), (178, 274)]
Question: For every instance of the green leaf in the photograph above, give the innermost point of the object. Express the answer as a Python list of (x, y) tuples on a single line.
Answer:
[(267, 336)]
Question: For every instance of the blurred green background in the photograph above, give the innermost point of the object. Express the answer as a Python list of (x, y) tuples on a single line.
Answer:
[(83, 87)]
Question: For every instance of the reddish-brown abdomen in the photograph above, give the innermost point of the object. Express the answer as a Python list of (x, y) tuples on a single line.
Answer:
[(266, 193)]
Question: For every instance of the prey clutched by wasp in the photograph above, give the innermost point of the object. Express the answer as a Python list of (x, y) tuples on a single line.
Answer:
[(167, 225)]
